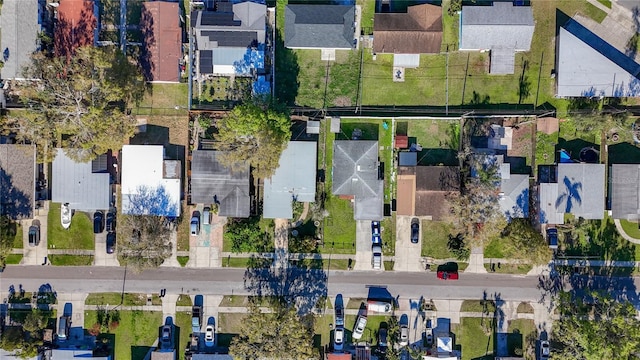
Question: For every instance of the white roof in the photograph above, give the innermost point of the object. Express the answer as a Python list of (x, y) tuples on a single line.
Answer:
[(406, 60), (548, 193), (145, 191)]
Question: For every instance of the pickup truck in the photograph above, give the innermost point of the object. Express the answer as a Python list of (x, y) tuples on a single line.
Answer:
[(196, 319)]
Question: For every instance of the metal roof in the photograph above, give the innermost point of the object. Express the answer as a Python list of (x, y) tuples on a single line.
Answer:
[(20, 22), (213, 182), (588, 66), (76, 183), (295, 178), (319, 26), (625, 186), (500, 25), (355, 172)]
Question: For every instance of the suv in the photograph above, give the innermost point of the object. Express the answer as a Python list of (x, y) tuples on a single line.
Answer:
[(34, 235), (98, 222), (111, 242), (375, 233), (415, 230), (376, 258), (195, 224), (552, 238)]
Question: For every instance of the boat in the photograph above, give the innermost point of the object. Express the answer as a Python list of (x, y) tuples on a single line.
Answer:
[(65, 215)]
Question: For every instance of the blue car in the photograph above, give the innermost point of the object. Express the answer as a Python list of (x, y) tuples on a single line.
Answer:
[(375, 233)]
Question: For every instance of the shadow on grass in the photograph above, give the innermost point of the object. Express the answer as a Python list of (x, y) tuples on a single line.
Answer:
[(573, 147), (365, 131), (624, 153), (139, 352), (432, 157), (287, 71)]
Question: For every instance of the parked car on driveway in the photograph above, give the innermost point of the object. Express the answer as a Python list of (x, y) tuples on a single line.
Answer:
[(195, 224), (98, 222), (415, 230), (206, 215), (552, 238), (339, 310), (376, 258), (338, 339), (34, 235), (111, 242), (382, 338), (358, 328), (403, 339), (545, 350), (376, 237), (111, 221), (209, 335)]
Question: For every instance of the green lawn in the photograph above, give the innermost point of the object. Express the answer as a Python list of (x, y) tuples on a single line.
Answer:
[(13, 259), (339, 227), (130, 299), (510, 268), (631, 228), (184, 300), (368, 10), (239, 262), (165, 97), (493, 249), (71, 260), (17, 240), (370, 332), (228, 326), (183, 321), (435, 236), (183, 233), (597, 238), (477, 306), (606, 3), (450, 27), (389, 235), (474, 342), (546, 148), (136, 332), (78, 236), (525, 308)]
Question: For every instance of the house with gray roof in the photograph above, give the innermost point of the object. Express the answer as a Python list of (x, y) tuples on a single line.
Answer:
[(85, 186), (355, 172), (311, 26), (588, 66), (575, 188), (215, 183), (17, 180), (21, 21), (294, 180), (514, 193), (230, 40), (625, 189), (502, 28)]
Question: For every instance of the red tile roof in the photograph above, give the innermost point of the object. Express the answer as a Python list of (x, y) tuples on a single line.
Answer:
[(402, 141), (160, 26), (74, 27)]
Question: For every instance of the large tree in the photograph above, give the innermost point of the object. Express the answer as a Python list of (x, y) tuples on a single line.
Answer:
[(144, 241), (601, 328), (79, 102), (523, 242), (277, 334), (256, 132)]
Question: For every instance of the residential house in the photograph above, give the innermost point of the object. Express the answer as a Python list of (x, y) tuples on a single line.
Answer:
[(423, 190), (85, 186), (625, 189), (78, 344), (294, 180), (571, 188), (407, 35), (150, 183), (311, 26), (162, 37), (77, 25), (443, 343), (229, 41), (502, 28), (21, 22), (214, 183), (356, 174), (588, 66), (17, 180)]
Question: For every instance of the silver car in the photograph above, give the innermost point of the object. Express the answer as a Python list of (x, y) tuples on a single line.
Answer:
[(404, 335), (358, 329)]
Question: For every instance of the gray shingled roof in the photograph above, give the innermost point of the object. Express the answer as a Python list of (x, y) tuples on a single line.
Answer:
[(581, 190), (20, 27), (76, 184), (319, 26), (355, 172), (211, 180), (500, 25), (17, 180), (625, 186), (514, 201), (294, 178)]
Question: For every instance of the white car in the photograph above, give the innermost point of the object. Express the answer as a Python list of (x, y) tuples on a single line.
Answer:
[(429, 337), (209, 335), (404, 335), (338, 339), (545, 350), (358, 329)]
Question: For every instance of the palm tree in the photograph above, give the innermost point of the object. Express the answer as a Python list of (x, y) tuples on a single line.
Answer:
[(571, 195)]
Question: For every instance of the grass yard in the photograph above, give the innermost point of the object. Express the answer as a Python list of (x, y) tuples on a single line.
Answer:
[(474, 342), (13, 259), (183, 260), (368, 12), (510, 268), (228, 326), (183, 321), (450, 27), (572, 140), (130, 299), (184, 300), (477, 306), (370, 332), (183, 231), (323, 334), (339, 227), (631, 228), (79, 236), (435, 236), (222, 89), (439, 140), (71, 260), (136, 332), (606, 3), (546, 148), (598, 238), (389, 236), (162, 99), (523, 327), (17, 240), (331, 264), (525, 308)]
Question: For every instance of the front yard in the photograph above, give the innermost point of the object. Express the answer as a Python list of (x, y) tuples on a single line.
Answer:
[(435, 237), (78, 236), (474, 342)]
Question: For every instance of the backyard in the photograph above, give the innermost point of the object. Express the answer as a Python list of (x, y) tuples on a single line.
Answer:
[(222, 89), (439, 140), (78, 236), (164, 99)]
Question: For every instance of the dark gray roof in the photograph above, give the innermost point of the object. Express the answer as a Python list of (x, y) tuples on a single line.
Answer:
[(294, 178), (319, 26), (500, 25), (20, 22), (625, 184), (17, 180), (589, 66), (211, 181), (355, 172), (76, 183)]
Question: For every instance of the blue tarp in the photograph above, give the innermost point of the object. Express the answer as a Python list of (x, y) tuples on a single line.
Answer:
[(564, 157), (261, 86)]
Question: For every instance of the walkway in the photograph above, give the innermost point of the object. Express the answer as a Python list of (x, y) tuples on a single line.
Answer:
[(281, 242), (476, 261), (623, 233)]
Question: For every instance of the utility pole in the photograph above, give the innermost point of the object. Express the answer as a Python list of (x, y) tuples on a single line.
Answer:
[(447, 85)]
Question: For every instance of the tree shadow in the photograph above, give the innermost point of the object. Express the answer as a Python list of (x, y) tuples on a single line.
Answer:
[(478, 99), (145, 60), (571, 195), (75, 27), (432, 157), (623, 153), (17, 182), (632, 45), (524, 84), (287, 71), (573, 147)]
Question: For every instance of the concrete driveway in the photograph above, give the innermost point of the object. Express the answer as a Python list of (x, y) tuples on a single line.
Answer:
[(407, 254), (34, 255), (205, 248), (363, 245), (101, 258)]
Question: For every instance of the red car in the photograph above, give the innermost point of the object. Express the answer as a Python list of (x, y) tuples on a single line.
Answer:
[(448, 275)]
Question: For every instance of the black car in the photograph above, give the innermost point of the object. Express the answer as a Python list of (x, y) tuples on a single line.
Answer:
[(415, 230), (552, 238), (111, 242), (111, 222), (98, 222), (34, 235)]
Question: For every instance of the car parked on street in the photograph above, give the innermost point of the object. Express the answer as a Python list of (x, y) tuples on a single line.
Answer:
[(415, 230), (111, 243), (448, 275), (358, 328), (338, 339), (34, 235), (98, 222)]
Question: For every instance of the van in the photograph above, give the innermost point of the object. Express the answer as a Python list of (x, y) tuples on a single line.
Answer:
[(379, 307), (63, 328), (206, 216), (376, 259)]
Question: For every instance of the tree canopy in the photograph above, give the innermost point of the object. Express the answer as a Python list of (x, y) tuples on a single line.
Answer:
[(521, 241), (79, 103), (144, 241), (601, 328), (8, 229), (278, 334), (256, 133)]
